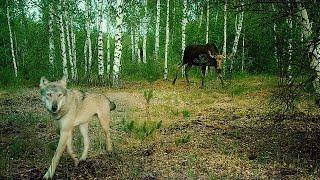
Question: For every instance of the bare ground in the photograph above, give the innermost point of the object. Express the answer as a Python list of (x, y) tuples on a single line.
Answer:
[(209, 133)]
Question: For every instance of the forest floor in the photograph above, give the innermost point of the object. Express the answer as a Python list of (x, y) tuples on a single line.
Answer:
[(183, 133)]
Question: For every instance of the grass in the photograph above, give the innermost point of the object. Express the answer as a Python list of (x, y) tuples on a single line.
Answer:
[(188, 133)]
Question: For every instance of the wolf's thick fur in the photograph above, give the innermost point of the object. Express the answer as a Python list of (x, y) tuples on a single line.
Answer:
[(72, 108)]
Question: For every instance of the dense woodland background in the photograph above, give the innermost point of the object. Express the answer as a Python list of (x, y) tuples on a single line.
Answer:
[(262, 37)]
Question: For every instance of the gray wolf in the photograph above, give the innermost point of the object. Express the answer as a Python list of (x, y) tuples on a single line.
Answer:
[(203, 56), (72, 108)]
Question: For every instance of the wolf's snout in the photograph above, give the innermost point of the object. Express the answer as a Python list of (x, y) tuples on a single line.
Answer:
[(54, 107)]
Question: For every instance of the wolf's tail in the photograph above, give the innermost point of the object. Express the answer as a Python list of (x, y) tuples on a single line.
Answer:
[(112, 105)]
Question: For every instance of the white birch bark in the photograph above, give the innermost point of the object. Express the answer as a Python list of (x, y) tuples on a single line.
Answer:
[(15, 67), (62, 41), (118, 44), (165, 75), (74, 49), (290, 50), (88, 32), (85, 52), (157, 35), (66, 17), (183, 27), (200, 18), (236, 39), (275, 38), (51, 36), (100, 40), (145, 21), (224, 50), (132, 44), (207, 25), (314, 48), (137, 47), (108, 55)]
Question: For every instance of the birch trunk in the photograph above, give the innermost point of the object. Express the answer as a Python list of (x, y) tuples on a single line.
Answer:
[(132, 44), (118, 44), (275, 38), (108, 56), (74, 50), (207, 26), (66, 17), (15, 68), (137, 40), (157, 35), (165, 75), (85, 52), (62, 41), (183, 27), (88, 32), (236, 39), (289, 81), (51, 36), (144, 58), (224, 50), (100, 41), (201, 15), (314, 48)]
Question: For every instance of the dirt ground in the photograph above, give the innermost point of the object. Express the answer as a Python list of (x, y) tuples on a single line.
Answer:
[(184, 133)]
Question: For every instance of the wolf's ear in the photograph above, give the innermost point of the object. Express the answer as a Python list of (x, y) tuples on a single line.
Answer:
[(43, 82), (63, 81)]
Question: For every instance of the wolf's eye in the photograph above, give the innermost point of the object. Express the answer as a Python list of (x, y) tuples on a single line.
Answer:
[(49, 94), (60, 95)]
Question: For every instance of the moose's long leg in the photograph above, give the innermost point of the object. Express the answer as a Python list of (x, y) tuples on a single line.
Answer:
[(203, 74), (177, 70), (186, 72), (219, 72)]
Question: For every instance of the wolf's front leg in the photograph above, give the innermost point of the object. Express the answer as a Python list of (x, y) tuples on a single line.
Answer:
[(61, 146)]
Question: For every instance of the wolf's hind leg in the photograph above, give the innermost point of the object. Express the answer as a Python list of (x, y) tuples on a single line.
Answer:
[(84, 131), (70, 150), (104, 118)]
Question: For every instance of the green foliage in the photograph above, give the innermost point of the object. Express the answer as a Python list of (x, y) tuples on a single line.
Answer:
[(148, 94), (141, 131), (185, 114), (183, 140)]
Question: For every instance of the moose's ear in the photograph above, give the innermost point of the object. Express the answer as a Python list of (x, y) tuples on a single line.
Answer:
[(63, 81), (43, 82)]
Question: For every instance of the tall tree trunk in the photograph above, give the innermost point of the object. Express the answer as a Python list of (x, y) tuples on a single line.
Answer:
[(118, 45), (145, 22), (108, 56), (242, 59), (100, 41), (224, 50), (157, 35), (200, 18), (74, 50), (183, 27), (51, 36), (236, 39), (132, 44), (290, 50), (165, 75), (15, 68), (207, 25), (314, 48), (88, 32), (85, 52), (62, 41), (137, 43), (275, 38), (66, 17)]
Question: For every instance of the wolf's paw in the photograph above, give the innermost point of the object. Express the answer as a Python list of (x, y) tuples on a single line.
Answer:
[(48, 175), (76, 162)]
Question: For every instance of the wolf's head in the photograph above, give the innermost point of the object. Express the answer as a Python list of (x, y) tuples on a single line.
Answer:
[(53, 94)]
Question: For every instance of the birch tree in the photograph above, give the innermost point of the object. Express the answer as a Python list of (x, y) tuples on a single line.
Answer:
[(183, 27), (51, 36), (236, 39), (165, 75), (118, 44), (100, 41), (62, 40), (157, 35), (66, 17), (289, 21), (275, 38), (224, 50), (132, 35), (74, 49), (314, 47), (145, 29), (88, 46), (207, 26), (15, 67)]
